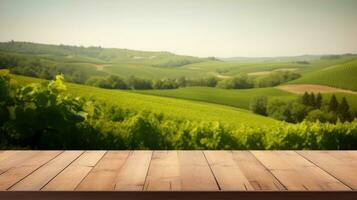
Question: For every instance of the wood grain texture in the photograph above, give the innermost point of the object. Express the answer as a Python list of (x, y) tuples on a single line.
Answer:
[(104, 174), (340, 164), (39, 178), (11, 159), (257, 174), (6, 154), (195, 172), (69, 178), (164, 172), (297, 173), (15, 174), (132, 175), (226, 171), (178, 170)]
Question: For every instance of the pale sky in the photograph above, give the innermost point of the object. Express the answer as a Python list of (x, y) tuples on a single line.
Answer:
[(221, 28)]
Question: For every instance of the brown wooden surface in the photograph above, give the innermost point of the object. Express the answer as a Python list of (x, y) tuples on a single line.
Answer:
[(178, 170)]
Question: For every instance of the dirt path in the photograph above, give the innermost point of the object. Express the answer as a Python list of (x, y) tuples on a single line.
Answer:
[(301, 88), (222, 76), (100, 67), (260, 73)]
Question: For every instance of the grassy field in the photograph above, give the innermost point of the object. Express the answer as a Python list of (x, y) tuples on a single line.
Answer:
[(340, 76), (236, 98), (147, 71), (176, 108)]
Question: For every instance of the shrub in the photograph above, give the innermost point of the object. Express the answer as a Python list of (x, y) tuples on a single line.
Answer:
[(258, 105)]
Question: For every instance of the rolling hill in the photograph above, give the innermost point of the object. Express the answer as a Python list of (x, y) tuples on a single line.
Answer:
[(98, 54), (170, 107), (340, 76), (236, 98)]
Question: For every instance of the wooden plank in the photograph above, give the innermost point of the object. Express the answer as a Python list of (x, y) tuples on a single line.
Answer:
[(103, 175), (340, 164), (6, 154), (258, 176), (40, 177), (195, 172), (164, 172), (297, 173), (11, 159), (69, 178), (23, 169), (132, 175), (228, 174)]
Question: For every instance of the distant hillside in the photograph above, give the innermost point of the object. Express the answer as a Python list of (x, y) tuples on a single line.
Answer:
[(99, 55), (279, 58), (340, 76)]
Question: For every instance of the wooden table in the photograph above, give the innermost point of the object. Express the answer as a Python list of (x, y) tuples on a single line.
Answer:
[(217, 174)]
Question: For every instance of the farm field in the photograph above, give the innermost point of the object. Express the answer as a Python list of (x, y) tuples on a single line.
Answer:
[(340, 76), (240, 98), (176, 108), (236, 98), (301, 88)]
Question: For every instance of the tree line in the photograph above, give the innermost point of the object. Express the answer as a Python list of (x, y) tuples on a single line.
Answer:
[(238, 82), (78, 73), (310, 107)]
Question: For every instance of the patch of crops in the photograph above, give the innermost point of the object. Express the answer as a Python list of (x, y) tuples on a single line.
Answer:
[(238, 98), (175, 108), (340, 76)]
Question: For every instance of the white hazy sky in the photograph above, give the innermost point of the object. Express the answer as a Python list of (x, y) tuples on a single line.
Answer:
[(222, 28)]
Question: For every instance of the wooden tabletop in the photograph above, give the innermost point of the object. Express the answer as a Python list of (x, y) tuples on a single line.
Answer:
[(178, 170)]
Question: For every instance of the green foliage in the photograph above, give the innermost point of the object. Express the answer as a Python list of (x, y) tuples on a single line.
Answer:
[(239, 82), (343, 112), (318, 102), (291, 111), (309, 99), (259, 105), (275, 78), (111, 82), (38, 112), (333, 105), (46, 117), (310, 109), (171, 107), (239, 98), (321, 116), (139, 83)]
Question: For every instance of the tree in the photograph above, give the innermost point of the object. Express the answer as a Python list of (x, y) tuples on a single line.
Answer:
[(318, 101), (297, 111), (116, 82), (316, 115), (305, 99), (312, 101), (182, 81), (259, 105), (343, 110), (239, 82), (333, 105), (279, 110)]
